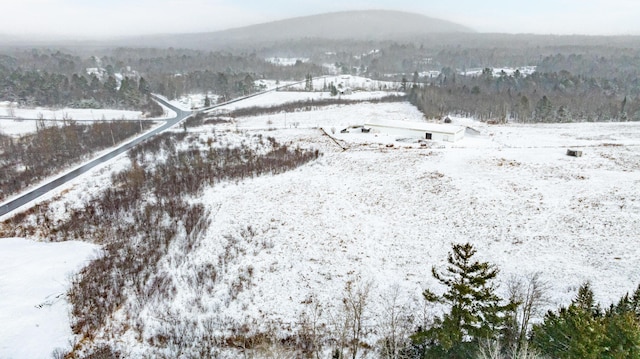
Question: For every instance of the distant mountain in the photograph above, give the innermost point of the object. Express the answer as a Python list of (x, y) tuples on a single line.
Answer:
[(359, 25), (348, 25)]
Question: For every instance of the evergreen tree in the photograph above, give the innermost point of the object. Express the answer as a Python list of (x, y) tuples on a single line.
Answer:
[(544, 110), (622, 337), (333, 89), (308, 86), (622, 116), (143, 86), (623, 328), (111, 87), (574, 332), (475, 312), (583, 331), (403, 85), (563, 114), (248, 84)]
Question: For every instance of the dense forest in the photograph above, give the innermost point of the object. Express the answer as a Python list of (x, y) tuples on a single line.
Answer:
[(57, 80), (577, 78), (123, 78), (540, 97)]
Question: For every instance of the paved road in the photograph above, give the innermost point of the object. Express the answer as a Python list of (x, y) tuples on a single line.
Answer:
[(35, 193)]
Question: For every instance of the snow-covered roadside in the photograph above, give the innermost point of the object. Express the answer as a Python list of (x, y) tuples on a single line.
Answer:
[(34, 278)]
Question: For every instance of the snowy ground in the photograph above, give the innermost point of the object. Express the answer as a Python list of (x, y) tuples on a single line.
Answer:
[(282, 97), (333, 117), (15, 121), (386, 215), (34, 279), (12, 110)]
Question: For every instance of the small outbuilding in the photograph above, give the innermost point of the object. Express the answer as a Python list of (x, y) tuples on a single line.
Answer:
[(419, 130), (574, 153)]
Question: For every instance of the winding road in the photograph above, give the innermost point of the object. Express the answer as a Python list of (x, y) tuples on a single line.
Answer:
[(59, 181)]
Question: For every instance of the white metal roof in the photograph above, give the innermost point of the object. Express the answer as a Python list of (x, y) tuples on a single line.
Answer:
[(417, 126)]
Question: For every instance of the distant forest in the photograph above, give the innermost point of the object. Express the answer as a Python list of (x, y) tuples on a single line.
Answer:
[(577, 78)]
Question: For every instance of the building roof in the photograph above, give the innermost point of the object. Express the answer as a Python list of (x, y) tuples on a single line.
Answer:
[(417, 126)]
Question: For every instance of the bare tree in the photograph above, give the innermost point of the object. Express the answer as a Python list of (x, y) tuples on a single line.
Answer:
[(355, 302), (491, 349), (312, 328), (348, 320), (395, 323), (531, 293)]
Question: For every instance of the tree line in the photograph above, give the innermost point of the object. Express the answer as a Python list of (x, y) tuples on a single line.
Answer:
[(33, 88), (539, 97)]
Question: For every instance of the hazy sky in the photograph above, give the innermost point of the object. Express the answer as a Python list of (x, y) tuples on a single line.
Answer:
[(88, 18)]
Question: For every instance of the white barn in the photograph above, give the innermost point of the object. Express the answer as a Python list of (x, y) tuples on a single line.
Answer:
[(423, 130)]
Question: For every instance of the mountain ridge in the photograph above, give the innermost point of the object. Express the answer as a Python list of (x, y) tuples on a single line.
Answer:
[(343, 25), (353, 24)]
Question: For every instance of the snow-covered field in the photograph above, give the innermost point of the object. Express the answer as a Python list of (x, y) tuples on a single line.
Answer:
[(34, 279), (282, 97), (385, 215), (15, 120)]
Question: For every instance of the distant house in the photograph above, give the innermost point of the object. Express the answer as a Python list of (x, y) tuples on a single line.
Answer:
[(420, 130)]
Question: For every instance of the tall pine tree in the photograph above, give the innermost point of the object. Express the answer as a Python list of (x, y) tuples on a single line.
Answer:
[(475, 312)]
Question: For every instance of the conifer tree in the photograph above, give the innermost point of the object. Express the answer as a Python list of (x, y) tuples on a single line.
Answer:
[(475, 312), (583, 330), (574, 332)]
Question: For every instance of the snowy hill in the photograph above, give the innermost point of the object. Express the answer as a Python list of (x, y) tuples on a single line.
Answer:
[(348, 25)]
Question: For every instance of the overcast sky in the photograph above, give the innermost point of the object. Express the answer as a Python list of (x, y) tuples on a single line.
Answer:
[(89, 18)]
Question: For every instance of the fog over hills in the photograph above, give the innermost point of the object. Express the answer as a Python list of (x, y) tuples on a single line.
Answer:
[(358, 25), (352, 25)]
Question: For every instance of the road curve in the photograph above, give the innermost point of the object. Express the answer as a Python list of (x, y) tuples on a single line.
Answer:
[(59, 181)]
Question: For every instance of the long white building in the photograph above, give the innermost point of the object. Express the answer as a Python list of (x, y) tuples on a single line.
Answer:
[(423, 130)]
